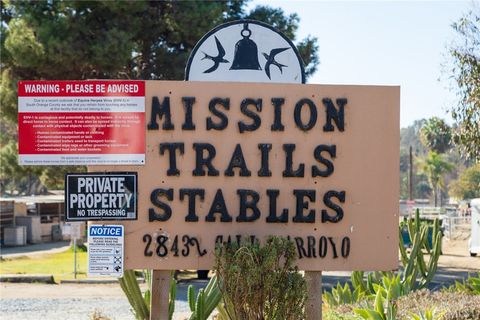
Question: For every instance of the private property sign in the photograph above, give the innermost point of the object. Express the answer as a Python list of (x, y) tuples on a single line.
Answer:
[(81, 122), (101, 196), (226, 161)]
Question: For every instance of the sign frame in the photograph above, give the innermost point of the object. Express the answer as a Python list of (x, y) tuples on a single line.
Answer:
[(358, 162)]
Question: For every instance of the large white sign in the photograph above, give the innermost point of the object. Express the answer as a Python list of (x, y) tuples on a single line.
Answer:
[(105, 250)]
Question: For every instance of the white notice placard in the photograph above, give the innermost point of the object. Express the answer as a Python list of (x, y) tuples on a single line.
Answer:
[(105, 250), (72, 229)]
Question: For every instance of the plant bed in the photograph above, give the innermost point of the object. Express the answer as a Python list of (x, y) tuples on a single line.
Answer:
[(455, 305)]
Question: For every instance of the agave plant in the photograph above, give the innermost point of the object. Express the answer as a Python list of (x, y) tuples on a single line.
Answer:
[(429, 314), (139, 303), (206, 300)]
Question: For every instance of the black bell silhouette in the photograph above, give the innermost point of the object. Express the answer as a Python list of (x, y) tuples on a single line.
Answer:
[(246, 52)]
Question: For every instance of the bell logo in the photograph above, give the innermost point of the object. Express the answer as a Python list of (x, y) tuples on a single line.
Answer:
[(245, 51)]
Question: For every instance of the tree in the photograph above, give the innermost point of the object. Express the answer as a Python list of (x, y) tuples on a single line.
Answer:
[(467, 186), (465, 71), (435, 167), (149, 40), (409, 137), (435, 134)]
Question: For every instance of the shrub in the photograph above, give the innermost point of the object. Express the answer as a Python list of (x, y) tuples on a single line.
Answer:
[(260, 282)]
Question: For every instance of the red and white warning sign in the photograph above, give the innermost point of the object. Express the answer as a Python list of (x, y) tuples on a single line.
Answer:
[(81, 122)]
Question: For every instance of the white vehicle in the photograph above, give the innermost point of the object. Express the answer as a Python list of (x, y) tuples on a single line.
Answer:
[(475, 235)]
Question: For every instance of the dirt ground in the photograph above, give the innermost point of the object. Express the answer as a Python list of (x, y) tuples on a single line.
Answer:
[(457, 256)]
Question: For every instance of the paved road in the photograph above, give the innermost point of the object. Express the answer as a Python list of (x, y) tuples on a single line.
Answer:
[(34, 249)]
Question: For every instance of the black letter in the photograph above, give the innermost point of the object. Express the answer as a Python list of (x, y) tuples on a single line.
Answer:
[(277, 119), (300, 195), (188, 105), (288, 172), (272, 217), (332, 150), (192, 193), (311, 246), (218, 206), (245, 205), (171, 147), (298, 114), (238, 161), (251, 114), (332, 113), (264, 169), (328, 202), (345, 247), (300, 248), (167, 211), (201, 161), (322, 247), (160, 111), (223, 118)]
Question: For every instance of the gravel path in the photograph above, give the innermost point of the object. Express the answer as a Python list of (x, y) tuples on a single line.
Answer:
[(58, 308), (74, 301)]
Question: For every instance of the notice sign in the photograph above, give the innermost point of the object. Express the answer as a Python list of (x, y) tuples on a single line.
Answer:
[(81, 122), (101, 196), (232, 161), (105, 250)]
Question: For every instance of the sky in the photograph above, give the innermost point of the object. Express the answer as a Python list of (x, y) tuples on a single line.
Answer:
[(384, 43)]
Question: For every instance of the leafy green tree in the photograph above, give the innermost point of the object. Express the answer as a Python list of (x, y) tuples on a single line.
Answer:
[(149, 40), (409, 136), (435, 167), (467, 186), (465, 71), (16, 177), (422, 189), (435, 134)]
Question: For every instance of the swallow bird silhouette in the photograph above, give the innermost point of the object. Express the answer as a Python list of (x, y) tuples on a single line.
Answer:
[(271, 60), (218, 59)]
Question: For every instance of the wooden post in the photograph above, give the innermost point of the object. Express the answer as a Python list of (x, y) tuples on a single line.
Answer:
[(160, 294), (313, 307)]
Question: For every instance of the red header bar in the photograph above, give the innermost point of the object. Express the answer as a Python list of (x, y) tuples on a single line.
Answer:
[(86, 88)]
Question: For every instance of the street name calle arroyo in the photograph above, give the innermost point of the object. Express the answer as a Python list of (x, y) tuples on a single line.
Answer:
[(305, 113)]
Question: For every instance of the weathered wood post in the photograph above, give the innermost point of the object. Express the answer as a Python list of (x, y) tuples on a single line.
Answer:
[(313, 307), (160, 294)]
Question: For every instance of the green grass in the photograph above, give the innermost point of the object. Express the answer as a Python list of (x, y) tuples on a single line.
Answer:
[(60, 265)]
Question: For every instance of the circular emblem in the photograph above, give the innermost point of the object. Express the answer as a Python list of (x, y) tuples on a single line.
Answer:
[(245, 51)]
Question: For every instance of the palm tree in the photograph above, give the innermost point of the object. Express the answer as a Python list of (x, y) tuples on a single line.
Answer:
[(436, 135), (435, 167)]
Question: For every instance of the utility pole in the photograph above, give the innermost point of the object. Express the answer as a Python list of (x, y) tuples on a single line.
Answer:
[(410, 175)]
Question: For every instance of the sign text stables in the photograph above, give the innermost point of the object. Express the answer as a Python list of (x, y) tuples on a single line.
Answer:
[(319, 162)]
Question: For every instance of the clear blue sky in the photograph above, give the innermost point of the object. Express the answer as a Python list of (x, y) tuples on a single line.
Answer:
[(386, 43)]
